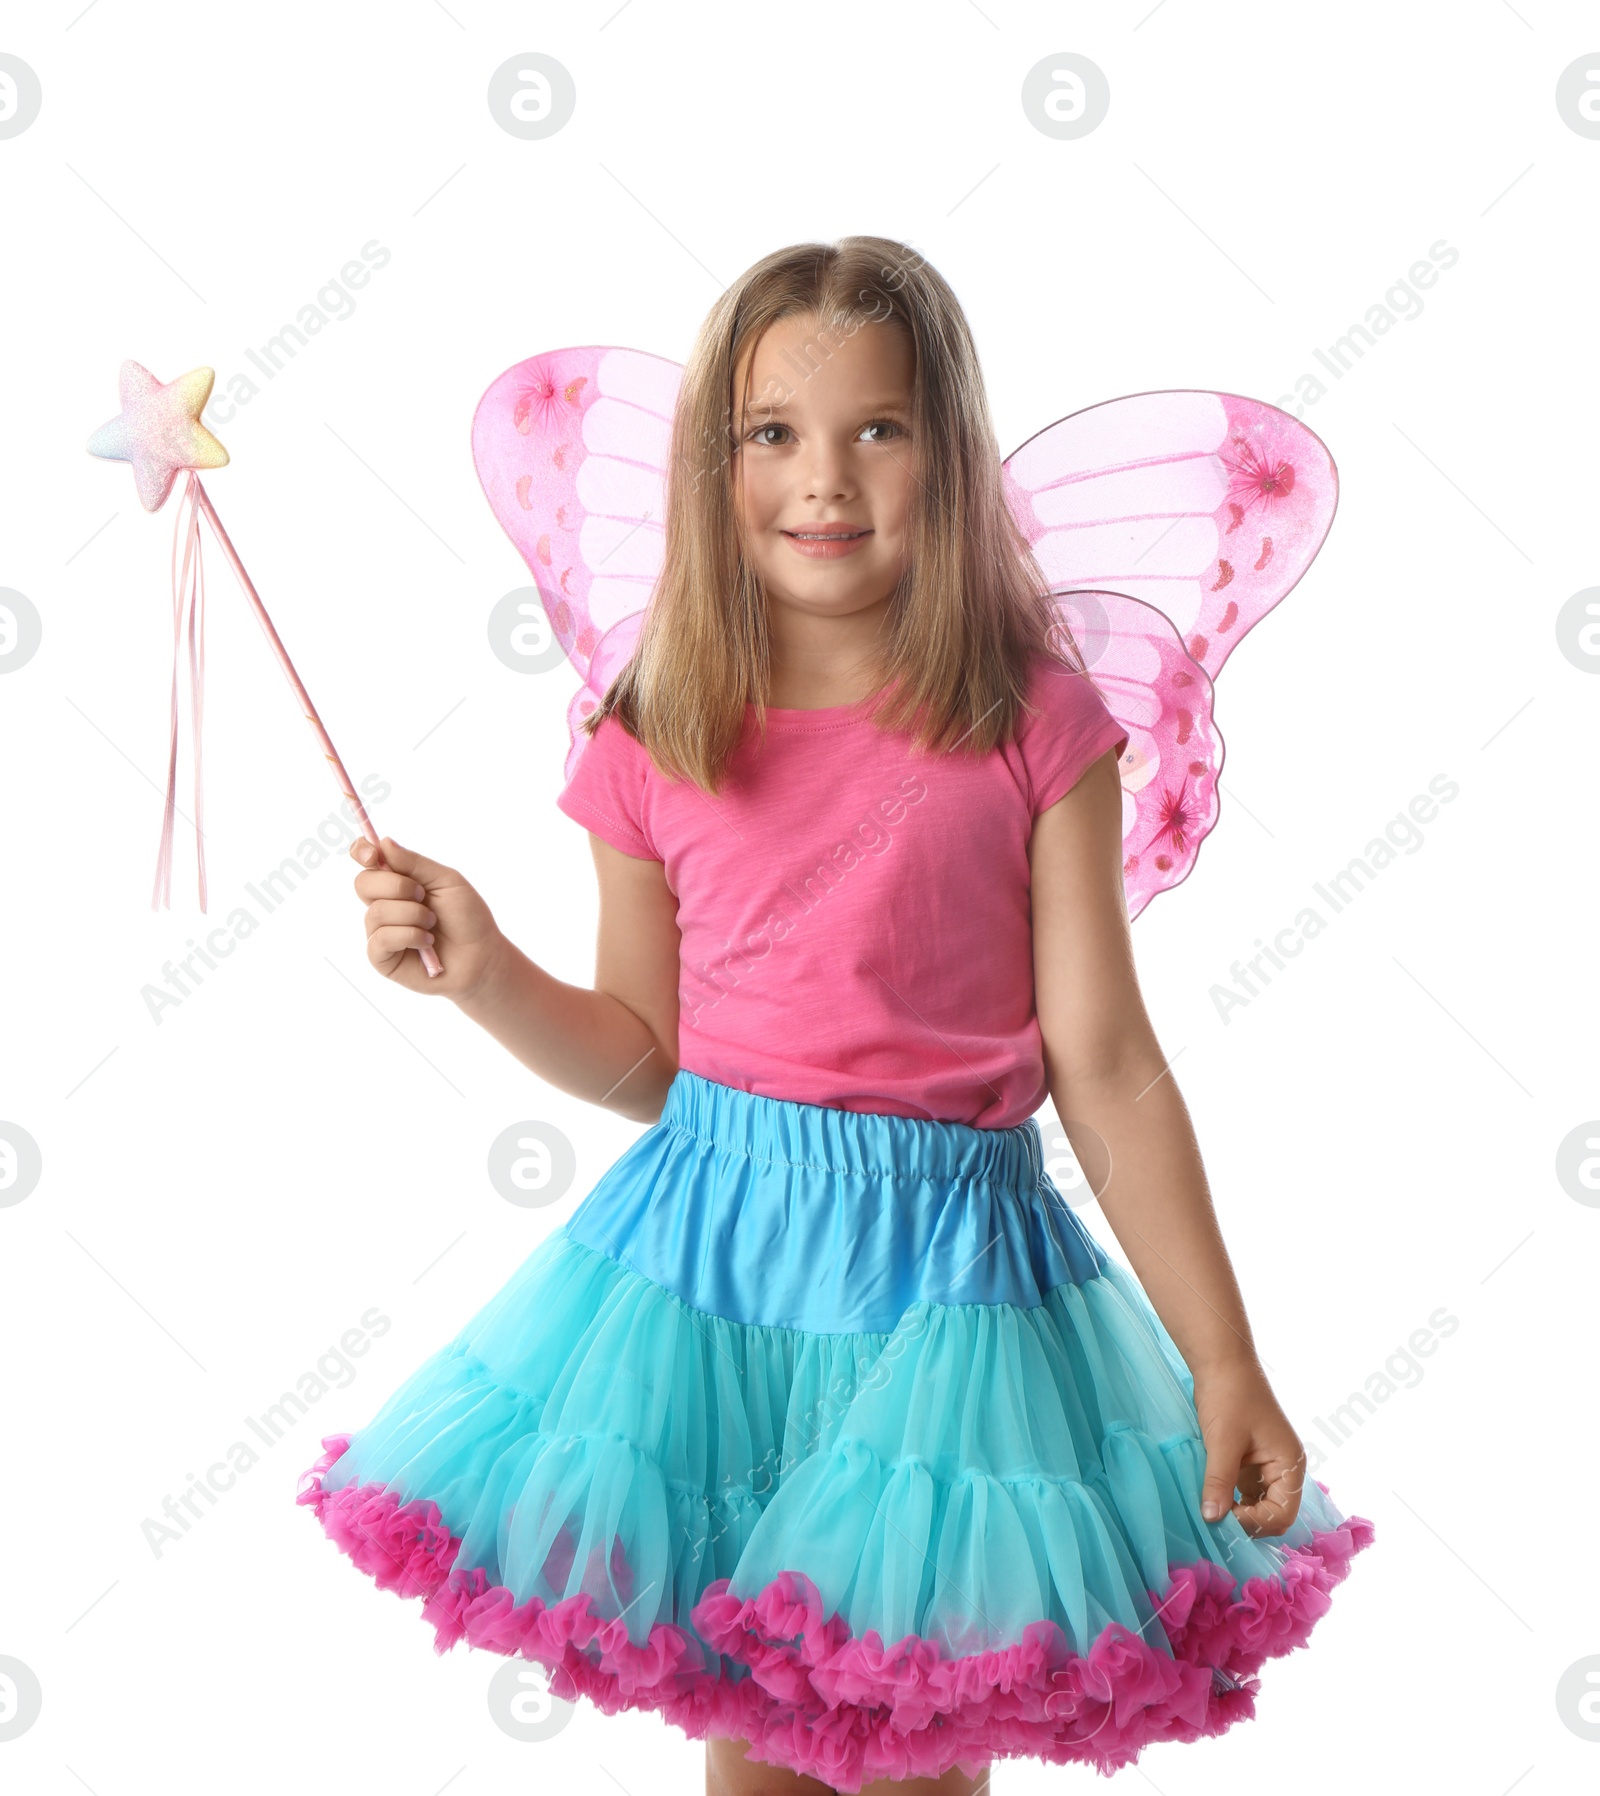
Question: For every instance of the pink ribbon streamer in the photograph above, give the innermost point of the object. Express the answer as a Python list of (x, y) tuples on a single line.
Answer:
[(188, 592)]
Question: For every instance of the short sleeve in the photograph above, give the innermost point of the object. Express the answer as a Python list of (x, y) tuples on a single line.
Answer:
[(1066, 735), (606, 793)]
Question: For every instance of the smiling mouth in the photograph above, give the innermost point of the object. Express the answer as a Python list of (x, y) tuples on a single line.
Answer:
[(826, 536)]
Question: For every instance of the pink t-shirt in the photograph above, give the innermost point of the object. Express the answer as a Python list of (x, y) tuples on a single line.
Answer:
[(855, 919)]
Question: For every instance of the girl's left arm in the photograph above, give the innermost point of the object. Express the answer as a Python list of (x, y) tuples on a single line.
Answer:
[(1108, 1076)]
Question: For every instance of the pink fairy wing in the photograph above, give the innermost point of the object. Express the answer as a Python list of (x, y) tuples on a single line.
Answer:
[(1206, 505), (1162, 698), (612, 653), (571, 447), (1169, 525)]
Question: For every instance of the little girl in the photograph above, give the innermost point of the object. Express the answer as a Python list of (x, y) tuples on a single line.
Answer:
[(823, 1426)]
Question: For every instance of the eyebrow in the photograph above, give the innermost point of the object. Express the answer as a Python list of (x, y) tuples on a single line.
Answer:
[(871, 405)]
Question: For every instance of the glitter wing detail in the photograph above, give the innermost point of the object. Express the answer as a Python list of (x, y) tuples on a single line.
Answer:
[(1168, 525)]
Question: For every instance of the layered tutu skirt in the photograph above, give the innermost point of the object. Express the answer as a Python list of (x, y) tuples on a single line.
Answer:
[(838, 1433)]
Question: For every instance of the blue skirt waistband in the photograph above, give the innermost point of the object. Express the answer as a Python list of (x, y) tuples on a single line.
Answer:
[(769, 1211), (849, 1141)]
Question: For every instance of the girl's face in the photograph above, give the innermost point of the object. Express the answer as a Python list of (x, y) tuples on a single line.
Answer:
[(826, 442)]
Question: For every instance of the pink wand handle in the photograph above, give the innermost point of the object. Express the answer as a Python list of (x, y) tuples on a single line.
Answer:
[(430, 960)]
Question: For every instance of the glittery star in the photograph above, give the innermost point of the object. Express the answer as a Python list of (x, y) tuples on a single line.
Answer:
[(159, 430)]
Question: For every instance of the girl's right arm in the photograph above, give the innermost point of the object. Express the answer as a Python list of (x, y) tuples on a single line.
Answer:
[(616, 1045)]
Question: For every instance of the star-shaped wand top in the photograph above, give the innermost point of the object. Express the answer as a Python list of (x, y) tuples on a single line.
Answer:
[(159, 430)]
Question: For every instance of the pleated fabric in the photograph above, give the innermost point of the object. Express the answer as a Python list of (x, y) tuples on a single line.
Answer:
[(837, 1432)]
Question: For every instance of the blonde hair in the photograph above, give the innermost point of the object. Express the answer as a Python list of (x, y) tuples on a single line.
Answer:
[(973, 609)]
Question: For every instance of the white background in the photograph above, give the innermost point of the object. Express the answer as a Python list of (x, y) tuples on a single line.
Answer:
[(225, 1192)]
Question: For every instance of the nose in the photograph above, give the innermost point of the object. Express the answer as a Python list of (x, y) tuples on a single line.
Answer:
[(826, 475)]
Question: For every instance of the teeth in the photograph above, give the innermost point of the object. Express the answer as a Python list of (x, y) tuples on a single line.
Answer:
[(828, 536)]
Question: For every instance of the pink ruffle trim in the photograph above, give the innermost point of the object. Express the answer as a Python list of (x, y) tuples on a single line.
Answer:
[(848, 1710)]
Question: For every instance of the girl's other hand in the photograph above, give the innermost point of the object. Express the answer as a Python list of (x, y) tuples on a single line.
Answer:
[(1250, 1444), (411, 900)]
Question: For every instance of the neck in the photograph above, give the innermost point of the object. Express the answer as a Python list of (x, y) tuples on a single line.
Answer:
[(816, 662)]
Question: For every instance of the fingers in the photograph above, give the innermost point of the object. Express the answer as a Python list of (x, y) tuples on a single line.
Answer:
[(1222, 1471), (380, 881), (1273, 1514), (372, 886), (392, 940), (382, 913), (1270, 1495), (401, 860)]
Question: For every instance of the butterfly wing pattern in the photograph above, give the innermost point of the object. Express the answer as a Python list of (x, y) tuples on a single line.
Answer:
[(1168, 525), (1162, 698), (571, 448)]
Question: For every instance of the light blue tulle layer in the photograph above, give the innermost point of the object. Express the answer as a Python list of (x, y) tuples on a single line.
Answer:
[(756, 1347)]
